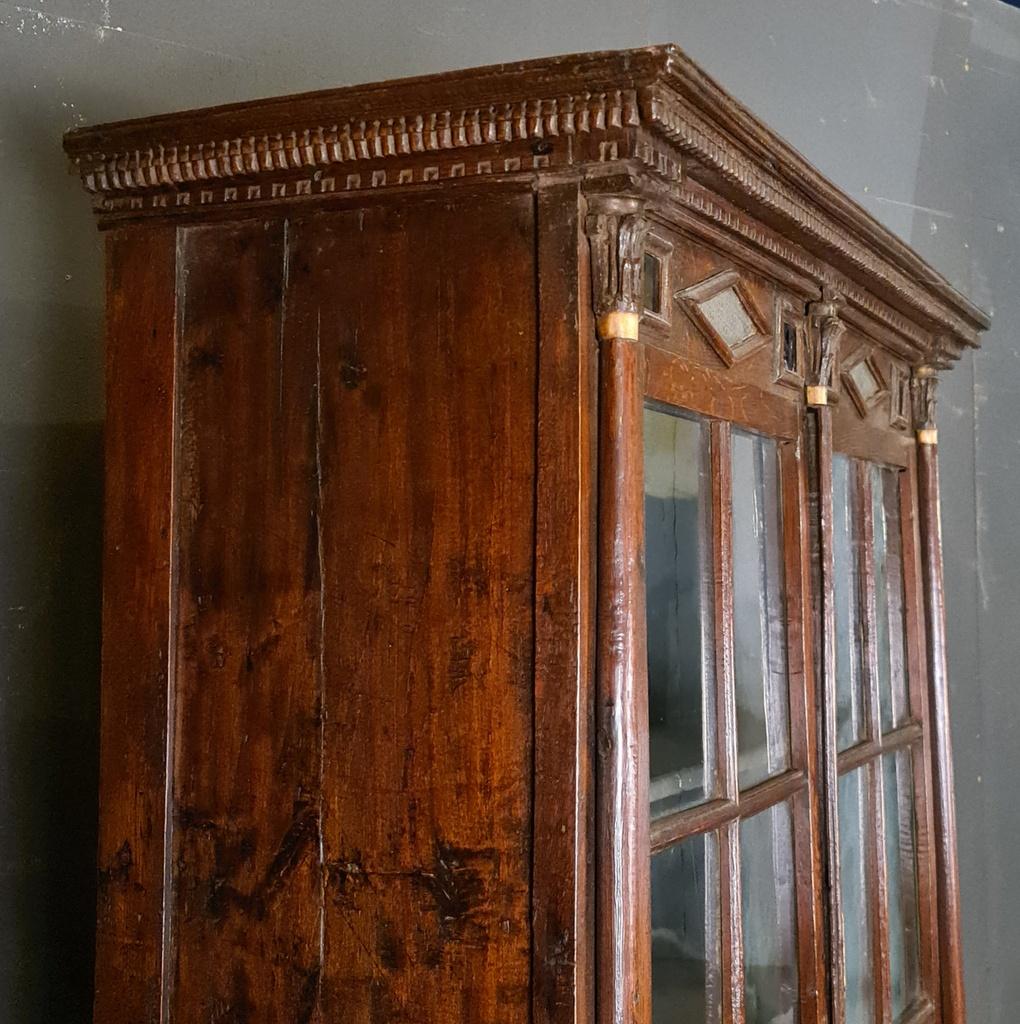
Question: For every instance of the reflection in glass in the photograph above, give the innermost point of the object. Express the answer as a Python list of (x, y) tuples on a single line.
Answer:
[(768, 908), (685, 933), (679, 717), (901, 873), (846, 561), (853, 890), (889, 602), (759, 618)]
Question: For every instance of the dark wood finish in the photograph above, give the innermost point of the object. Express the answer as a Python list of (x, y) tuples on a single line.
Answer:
[(245, 820), (429, 584), (563, 956), (820, 462), (139, 575), (920, 709), (375, 723), (624, 924), (950, 952)]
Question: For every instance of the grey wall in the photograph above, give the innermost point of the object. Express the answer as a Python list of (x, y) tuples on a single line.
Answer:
[(912, 106)]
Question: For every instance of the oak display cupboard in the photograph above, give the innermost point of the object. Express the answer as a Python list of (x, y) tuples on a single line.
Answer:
[(523, 593)]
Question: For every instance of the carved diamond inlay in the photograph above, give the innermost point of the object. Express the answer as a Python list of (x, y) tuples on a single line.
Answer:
[(724, 310), (864, 382)]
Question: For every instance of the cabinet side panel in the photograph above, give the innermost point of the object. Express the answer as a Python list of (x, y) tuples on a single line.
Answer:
[(247, 875), (427, 342), (563, 914), (136, 622)]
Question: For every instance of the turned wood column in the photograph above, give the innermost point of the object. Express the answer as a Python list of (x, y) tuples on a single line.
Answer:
[(616, 229), (923, 388)]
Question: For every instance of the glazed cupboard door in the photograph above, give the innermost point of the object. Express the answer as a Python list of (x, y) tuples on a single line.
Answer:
[(732, 864), (879, 796), (724, 838)]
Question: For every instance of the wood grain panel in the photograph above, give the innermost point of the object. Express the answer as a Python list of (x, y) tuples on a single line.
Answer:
[(137, 616), (563, 911), (247, 877), (426, 339)]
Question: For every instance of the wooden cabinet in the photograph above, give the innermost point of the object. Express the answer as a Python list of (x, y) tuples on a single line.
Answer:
[(523, 592)]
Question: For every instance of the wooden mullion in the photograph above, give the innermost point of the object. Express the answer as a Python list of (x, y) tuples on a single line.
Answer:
[(863, 516), (917, 693), (861, 753), (819, 429), (950, 951), (732, 929), (722, 578), (668, 831), (879, 890), (804, 740)]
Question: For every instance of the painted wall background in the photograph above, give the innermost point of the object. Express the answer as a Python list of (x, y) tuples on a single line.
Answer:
[(912, 106)]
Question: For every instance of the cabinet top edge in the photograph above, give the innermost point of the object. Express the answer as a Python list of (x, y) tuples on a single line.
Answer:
[(652, 104)]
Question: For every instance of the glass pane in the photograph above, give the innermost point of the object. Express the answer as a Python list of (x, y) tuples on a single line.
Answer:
[(768, 909), (846, 562), (901, 871), (853, 891), (726, 313), (679, 628), (652, 283), (889, 601), (759, 617), (685, 933)]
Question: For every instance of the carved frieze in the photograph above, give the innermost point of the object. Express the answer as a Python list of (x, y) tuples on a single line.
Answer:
[(651, 108)]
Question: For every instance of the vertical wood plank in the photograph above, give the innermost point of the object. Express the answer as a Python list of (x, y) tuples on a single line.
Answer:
[(950, 951), (137, 622), (917, 683), (427, 364), (732, 947), (878, 888), (623, 895), (819, 436), (804, 742), (563, 922), (247, 899)]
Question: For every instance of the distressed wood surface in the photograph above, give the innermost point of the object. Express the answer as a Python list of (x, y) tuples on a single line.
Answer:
[(562, 877), (950, 950), (246, 897), (137, 575), (427, 475)]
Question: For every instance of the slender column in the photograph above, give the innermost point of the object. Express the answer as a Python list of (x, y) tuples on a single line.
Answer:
[(826, 332), (616, 229), (923, 388)]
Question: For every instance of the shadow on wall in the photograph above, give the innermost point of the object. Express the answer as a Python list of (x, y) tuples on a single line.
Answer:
[(50, 493), (50, 543)]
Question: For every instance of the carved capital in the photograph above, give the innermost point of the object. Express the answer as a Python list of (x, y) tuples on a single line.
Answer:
[(827, 331), (616, 227), (924, 393)]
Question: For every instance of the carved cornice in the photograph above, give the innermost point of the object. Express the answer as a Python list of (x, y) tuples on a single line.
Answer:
[(665, 112), (651, 107), (353, 141)]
